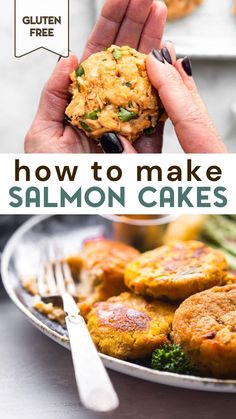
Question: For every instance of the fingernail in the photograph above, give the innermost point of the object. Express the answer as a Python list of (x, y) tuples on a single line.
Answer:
[(166, 55), (158, 55), (111, 144), (187, 66)]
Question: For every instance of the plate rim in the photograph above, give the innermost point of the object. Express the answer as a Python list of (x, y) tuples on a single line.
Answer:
[(135, 370)]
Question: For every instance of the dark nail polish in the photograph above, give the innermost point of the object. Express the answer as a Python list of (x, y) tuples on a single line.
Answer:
[(158, 55), (187, 66), (111, 144), (166, 55)]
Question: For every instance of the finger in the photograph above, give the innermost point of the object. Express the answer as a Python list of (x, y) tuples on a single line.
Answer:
[(193, 127), (133, 23), (154, 27), (153, 143), (107, 26), (72, 141), (188, 80), (128, 148), (82, 144), (55, 94), (184, 67)]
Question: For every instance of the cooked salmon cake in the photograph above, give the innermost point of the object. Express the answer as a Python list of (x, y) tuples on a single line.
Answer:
[(205, 326), (99, 270), (176, 271), (111, 91), (181, 8), (129, 326)]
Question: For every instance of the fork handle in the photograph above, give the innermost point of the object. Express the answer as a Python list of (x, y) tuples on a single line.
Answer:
[(94, 385)]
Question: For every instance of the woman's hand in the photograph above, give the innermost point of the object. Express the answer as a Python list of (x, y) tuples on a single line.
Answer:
[(173, 80), (178, 92), (137, 23)]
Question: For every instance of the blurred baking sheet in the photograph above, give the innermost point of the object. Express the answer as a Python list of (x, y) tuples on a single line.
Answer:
[(210, 32)]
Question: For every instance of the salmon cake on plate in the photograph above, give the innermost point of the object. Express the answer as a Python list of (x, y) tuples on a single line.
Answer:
[(129, 326), (99, 270), (205, 326), (98, 273), (176, 270)]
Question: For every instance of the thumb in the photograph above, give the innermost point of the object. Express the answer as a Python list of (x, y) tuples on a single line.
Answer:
[(194, 128), (55, 94)]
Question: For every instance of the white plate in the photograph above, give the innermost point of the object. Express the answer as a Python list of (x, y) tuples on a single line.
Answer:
[(209, 32), (22, 257)]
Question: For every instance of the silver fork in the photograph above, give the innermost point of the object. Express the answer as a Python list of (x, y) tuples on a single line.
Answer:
[(95, 388)]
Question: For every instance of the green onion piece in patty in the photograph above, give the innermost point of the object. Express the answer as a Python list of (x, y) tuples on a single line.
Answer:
[(91, 115), (85, 126), (128, 84), (80, 71), (117, 54), (125, 115)]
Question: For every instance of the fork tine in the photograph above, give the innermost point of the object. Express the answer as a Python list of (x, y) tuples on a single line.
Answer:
[(41, 282), (45, 279), (69, 279), (54, 277), (59, 277), (50, 279), (41, 277)]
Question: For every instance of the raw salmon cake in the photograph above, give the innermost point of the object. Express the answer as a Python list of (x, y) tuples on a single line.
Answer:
[(111, 91)]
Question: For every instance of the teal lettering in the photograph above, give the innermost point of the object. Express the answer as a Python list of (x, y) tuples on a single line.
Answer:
[(14, 195), (141, 197)]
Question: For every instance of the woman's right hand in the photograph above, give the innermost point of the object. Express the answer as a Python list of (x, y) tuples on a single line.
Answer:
[(173, 80), (178, 92)]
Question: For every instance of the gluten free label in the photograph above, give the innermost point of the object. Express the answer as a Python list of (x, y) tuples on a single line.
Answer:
[(41, 24)]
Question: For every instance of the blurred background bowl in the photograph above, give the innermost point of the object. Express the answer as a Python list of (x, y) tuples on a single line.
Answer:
[(145, 232)]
